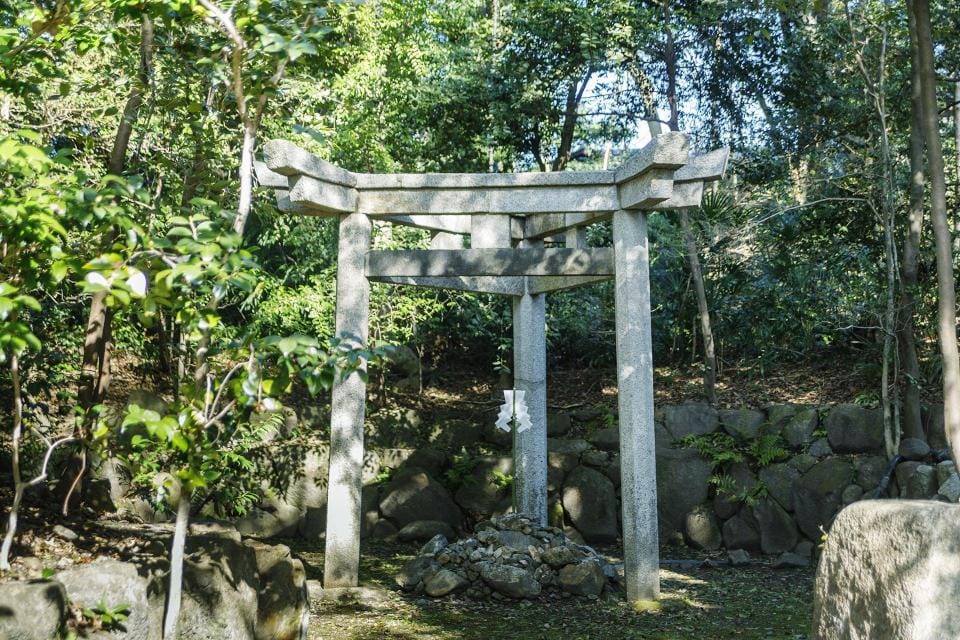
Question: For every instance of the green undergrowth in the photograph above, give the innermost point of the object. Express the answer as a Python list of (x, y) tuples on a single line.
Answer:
[(701, 604)]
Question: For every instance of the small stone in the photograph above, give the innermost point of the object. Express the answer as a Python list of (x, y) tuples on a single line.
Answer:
[(738, 557), (435, 545), (789, 560), (63, 532), (443, 582)]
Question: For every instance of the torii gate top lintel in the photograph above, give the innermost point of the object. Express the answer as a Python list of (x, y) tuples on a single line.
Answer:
[(506, 217)]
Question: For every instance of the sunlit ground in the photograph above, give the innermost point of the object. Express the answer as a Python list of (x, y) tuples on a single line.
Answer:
[(756, 602)]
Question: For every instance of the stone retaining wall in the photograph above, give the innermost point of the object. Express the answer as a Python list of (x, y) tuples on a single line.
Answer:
[(834, 456)]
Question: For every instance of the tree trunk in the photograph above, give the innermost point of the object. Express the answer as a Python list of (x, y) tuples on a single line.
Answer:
[(95, 365), (689, 238), (912, 420), (709, 354), (946, 305), (175, 591), (95, 370), (18, 485)]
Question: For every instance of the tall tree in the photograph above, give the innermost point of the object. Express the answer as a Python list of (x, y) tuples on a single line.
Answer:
[(946, 304)]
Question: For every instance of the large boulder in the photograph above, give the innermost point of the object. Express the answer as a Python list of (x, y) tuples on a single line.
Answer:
[(742, 423), (854, 429), (283, 604), (916, 480), (740, 532), (890, 569), (32, 610), (818, 495), (702, 530), (778, 532), (870, 471), (690, 419), (479, 495), (779, 480), (591, 502), (139, 586), (584, 578), (220, 587), (683, 478), (423, 530), (798, 429), (413, 495)]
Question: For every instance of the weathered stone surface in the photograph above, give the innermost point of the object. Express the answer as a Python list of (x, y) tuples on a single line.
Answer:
[(429, 459), (802, 462), (890, 569), (725, 506), (779, 480), (383, 530), (691, 418), (480, 496), (744, 479), (413, 495), (778, 533), (115, 582), (702, 530), (221, 586), (818, 495), (607, 439), (591, 502), (573, 446), (950, 488), (738, 557), (851, 494), (870, 471), (510, 581), (742, 423), (740, 532), (560, 556), (916, 480), (778, 415), (515, 540), (283, 605), (583, 579), (414, 571), (596, 459), (820, 448), (558, 423), (914, 449), (33, 610), (798, 430), (945, 469), (682, 482), (853, 429), (444, 582), (434, 545), (422, 530), (804, 549)]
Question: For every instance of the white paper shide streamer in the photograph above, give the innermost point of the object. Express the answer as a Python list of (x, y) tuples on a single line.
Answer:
[(513, 410)]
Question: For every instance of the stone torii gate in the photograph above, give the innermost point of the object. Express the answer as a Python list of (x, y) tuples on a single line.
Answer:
[(506, 217)]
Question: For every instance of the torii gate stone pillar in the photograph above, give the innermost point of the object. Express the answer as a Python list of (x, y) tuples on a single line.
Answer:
[(507, 217)]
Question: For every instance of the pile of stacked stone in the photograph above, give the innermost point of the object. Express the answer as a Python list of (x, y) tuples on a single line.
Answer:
[(508, 557)]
